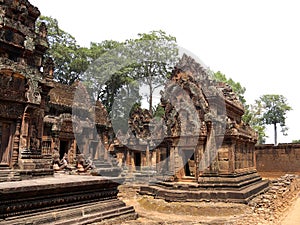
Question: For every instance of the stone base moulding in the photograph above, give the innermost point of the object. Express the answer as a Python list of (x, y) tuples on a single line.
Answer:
[(238, 189), (63, 199)]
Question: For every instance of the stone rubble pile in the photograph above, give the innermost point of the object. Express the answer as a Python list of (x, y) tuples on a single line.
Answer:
[(271, 205)]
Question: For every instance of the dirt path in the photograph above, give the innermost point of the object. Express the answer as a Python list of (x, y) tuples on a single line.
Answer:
[(293, 216)]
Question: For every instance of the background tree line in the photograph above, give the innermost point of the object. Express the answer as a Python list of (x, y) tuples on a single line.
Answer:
[(159, 53)]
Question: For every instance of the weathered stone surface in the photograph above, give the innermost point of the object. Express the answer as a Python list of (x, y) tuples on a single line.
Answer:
[(62, 199), (240, 189), (206, 141)]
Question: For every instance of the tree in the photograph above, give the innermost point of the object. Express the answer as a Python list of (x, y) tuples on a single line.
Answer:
[(236, 86), (252, 117), (274, 110), (156, 54), (110, 73), (70, 60), (146, 61)]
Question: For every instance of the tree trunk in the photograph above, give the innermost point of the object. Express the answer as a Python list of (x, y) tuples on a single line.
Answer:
[(275, 133), (150, 99)]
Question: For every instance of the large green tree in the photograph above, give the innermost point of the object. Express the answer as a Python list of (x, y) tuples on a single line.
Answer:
[(273, 112), (144, 62), (252, 117), (156, 54), (109, 73), (70, 60)]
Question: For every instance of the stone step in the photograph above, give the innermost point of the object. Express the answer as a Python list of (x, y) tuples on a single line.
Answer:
[(102, 165), (119, 214), (81, 214), (175, 193), (9, 175)]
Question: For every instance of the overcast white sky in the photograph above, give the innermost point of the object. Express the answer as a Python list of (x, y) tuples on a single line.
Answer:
[(254, 42)]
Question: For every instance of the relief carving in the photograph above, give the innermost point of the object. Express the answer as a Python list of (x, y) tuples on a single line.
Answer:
[(33, 94)]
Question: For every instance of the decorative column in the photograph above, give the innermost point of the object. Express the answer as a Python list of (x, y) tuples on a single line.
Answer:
[(172, 160), (158, 166), (237, 155), (231, 157), (16, 144), (128, 158), (55, 135), (147, 155), (24, 137), (200, 160)]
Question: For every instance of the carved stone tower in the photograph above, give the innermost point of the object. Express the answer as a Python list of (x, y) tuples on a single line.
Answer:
[(209, 146), (23, 88)]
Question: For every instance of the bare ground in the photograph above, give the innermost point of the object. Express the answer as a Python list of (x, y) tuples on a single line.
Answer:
[(154, 211)]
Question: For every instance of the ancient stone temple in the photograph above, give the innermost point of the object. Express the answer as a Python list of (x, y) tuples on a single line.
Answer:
[(207, 152), (71, 136), (23, 91), (37, 123), (130, 148)]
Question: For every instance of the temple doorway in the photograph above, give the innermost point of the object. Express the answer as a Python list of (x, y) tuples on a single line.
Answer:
[(137, 160), (6, 139), (63, 148), (189, 163)]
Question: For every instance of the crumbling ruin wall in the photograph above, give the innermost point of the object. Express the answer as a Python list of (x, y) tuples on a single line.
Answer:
[(271, 205), (280, 158)]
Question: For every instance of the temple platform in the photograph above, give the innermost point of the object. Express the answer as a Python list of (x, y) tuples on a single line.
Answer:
[(236, 188), (63, 199)]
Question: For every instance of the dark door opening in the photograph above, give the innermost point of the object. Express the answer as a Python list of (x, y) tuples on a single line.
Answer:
[(6, 139), (63, 148), (189, 162), (137, 160)]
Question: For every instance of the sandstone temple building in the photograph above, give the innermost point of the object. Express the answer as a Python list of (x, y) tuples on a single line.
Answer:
[(205, 143), (36, 125), (202, 150), (24, 89), (35, 111)]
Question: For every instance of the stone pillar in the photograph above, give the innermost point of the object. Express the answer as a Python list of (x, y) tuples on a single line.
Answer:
[(177, 167), (147, 155), (153, 159), (243, 155), (237, 155), (127, 158), (172, 160), (133, 168), (231, 156), (24, 138), (72, 152), (253, 156), (200, 160), (249, 158), (16, 144), (158, 164)]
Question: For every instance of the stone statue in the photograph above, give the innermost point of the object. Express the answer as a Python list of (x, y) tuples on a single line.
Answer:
[(83, 164), (43, 30)]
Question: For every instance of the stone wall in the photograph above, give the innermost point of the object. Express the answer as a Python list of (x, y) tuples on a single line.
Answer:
[(271, 206), (280, 158)]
